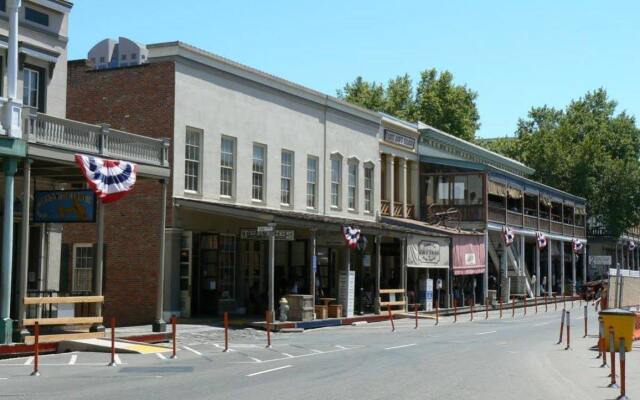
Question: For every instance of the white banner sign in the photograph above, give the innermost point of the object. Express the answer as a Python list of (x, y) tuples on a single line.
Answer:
[(427, 252)]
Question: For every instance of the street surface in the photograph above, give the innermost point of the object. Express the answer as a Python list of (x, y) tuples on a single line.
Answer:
[(484, 359)]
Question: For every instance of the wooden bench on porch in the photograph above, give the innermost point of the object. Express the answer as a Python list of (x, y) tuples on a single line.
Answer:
[(392, 301), (64, 321)]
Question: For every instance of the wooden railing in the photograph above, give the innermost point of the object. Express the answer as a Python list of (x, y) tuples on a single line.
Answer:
[(411, 211), (497, 215), (93, 139), (384, 207), (514, 219), (391, 301), (397, 210)]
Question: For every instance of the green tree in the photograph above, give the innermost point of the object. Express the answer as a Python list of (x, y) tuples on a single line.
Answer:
[(586, 149), (436, 101)]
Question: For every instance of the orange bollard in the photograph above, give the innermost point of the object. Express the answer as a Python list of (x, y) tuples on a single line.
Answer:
[(623, 385), (226, 332), (36, 350), (471, 313), (455, 311), (500, 302), (486, 308), (525, 305), (437, 313), (571, 301), (546, 305), (268, 322), (113, 342), (416, 312), (513, 308), (564, 301), (535, 303), (555, 301), (173, 334), (585, 322), (393, 326), (568, 331), (561, 327), (612, 351)]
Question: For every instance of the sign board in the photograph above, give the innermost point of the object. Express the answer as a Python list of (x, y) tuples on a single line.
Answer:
[(346, 291), (399, 139), (429, 295), (600, 260), (59, 206), (265, 229), (314, 263), (288, 235), (427, 252)]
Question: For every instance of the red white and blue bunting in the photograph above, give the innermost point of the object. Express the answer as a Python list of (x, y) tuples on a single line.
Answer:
[(578, 246), (351, 235), (632, 245), (541, 239), (109, 179), (508, 236)]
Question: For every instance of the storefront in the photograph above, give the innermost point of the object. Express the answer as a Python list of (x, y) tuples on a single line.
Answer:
[(468, 267), (428, 260)]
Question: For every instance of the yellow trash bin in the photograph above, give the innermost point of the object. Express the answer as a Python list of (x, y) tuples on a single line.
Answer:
[(623, 323)]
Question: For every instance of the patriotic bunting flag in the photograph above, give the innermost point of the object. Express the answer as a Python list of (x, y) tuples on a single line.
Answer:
[(507, 236), (109, 179), (632, 245), (578, 245), (541, 239), (351, 235)]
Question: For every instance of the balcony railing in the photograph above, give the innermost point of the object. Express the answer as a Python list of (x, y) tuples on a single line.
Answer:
[(397, 210), (384, 207), (515, 219), (93, 139), (411, 211)]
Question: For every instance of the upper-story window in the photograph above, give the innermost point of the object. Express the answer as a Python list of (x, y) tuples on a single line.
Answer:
[(352, 186), (336, 181), (33, 87), (134, 56), (36, 16), (227, 166), (312, 181), (368, 188), (192, 160), (3, 5), (257, 177), (286, 177), (124, 57)]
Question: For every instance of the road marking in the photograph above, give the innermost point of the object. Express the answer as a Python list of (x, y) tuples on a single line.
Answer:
[(270, 370), (316, 351), (117, 359), (3, 379), (542, 323), (73, 359), (196, 352), (485, 333), (29, 361), (161, 356), (400, 347), (341, 347), (288, 355), (254, 359)]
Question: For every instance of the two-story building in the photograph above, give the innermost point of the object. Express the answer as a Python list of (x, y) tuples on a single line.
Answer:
[(465, 185)]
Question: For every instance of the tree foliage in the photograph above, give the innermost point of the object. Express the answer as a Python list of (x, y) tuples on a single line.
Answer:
[(436, 100), (586, 149)]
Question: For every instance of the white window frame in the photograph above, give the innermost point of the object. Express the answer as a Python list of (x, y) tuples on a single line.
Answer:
[(353, 167), (336, 182), (312, 184), (89, 269), (262, 174), (28, 89), (188, 161), (232, 168), (289, 179), (368, 189)]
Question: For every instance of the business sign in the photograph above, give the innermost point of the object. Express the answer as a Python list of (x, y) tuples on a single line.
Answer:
[(600, 260), (428, 298), (399, 139), (427, 252), (254, 234), (59, 206)]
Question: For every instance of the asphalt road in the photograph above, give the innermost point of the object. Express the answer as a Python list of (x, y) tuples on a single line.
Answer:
[(484, 359)]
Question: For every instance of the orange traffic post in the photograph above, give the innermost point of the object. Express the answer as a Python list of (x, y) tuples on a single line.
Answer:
[(555, 301), (173, 335), (113, 342), (226, 331), (546, 303), (585, 321), (455, 311), (564, 301), (568, 330), (535, 303), (486, 308), (471, 313), (603, 350), (416, 312), (571, 301), (393, 326), (36, 350), (612, 359), (561, 326), (513, 307), (437, 313), (500, 303), (623, 372), (268, 322), (525, 305)]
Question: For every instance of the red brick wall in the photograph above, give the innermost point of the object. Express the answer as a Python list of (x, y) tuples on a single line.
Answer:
[(138, 100)]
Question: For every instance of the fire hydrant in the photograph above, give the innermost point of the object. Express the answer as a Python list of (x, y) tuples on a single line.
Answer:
[(283, 310)]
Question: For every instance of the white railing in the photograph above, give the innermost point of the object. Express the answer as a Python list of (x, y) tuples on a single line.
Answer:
[(93, 139)]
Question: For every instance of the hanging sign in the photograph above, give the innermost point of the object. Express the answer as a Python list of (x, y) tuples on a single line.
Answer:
[(578, 245), (109, 179), (280, 234), (541, 239), (59, 206), (427, 252), (507, 236), (351, 236)]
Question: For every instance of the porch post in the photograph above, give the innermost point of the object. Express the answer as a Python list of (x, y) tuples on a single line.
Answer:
[(403, 186), (272, 262), (504, 269), (415, 188), (10, 165), (11, 120), (314, 266), (573, 273), (562, 277), (378, 240), (390, 182), (584, 264), (485, 275), (160, 325), (99, 265), (549, 268), (24, 245), (521, 259), (538, 277), (403, 262)]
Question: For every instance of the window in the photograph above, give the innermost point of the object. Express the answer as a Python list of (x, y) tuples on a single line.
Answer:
[(36, 16), (336, 181), (31, 86), (368, 189), (134, 56), (286, 177), (227, 160), (352, 186), (192, 161), (82, 275), (3, 5), (257, 189), (312, 181), (102, 59), (124, 57)]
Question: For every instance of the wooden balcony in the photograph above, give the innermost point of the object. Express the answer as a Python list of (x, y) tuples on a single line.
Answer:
[(514, 219), (497, 215), (397, 210), (530, 222), (384, 207), (556, 227), (568, 230), (543, 225), (411, 211)]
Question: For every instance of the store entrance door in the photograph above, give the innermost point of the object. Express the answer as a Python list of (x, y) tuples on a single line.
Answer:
[(214, 289)]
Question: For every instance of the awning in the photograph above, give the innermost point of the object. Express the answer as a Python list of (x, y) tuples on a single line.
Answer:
[(581, 210), (468, 255), (514, 193), (427, 251), (497, 188), (545, 199)]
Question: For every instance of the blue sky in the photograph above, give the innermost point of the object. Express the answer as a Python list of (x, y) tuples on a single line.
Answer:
[(515, 54)]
